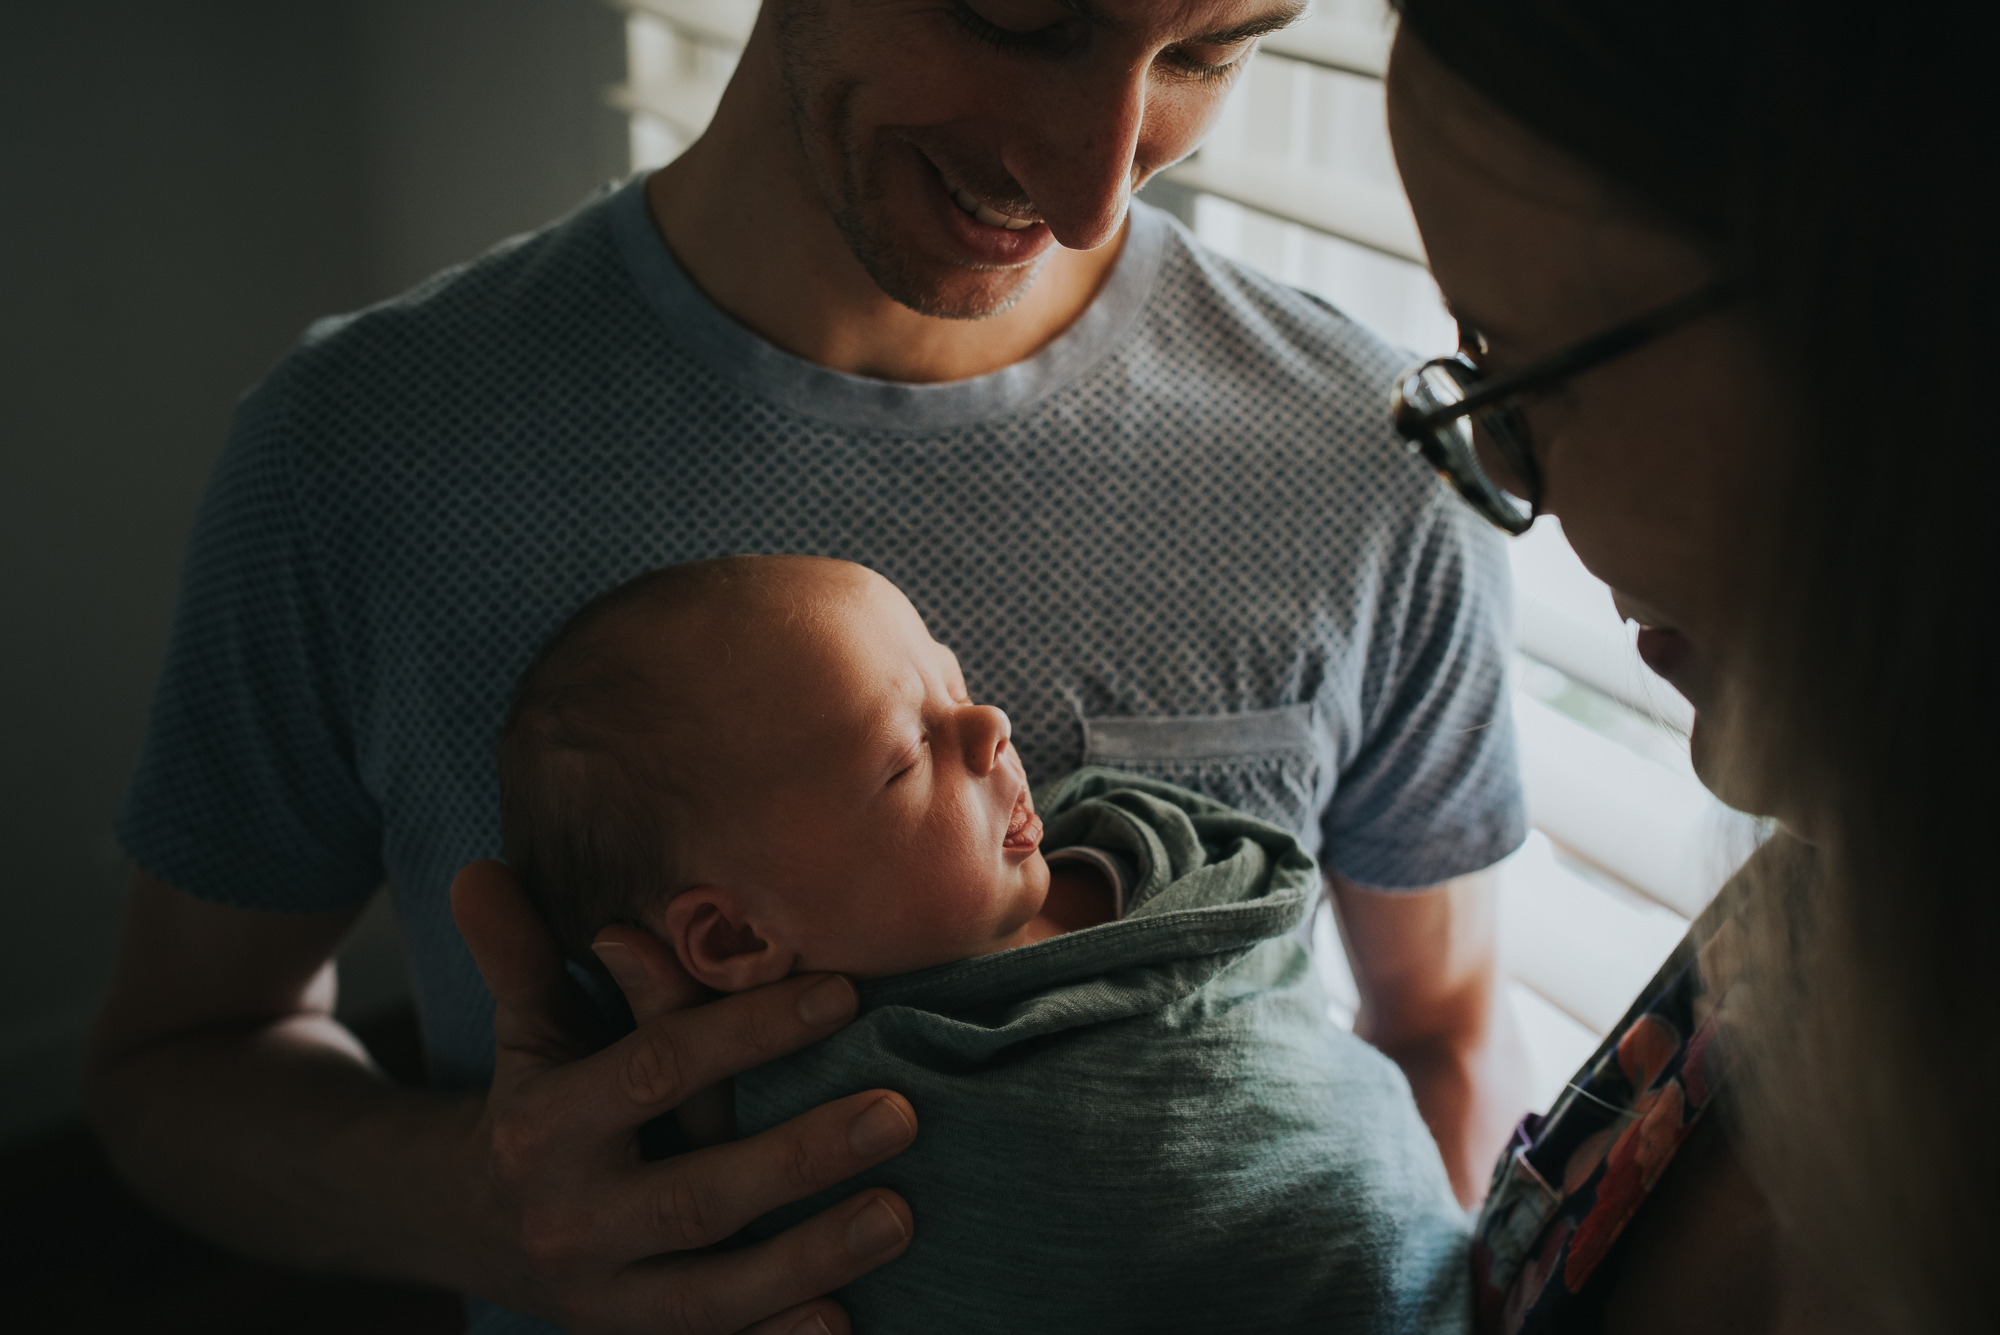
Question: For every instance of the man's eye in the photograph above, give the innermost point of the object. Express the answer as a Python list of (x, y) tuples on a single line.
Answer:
[(1207, 62), (1013, 25)]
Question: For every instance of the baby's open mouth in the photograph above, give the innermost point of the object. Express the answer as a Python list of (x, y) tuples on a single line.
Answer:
[(1024, 827)]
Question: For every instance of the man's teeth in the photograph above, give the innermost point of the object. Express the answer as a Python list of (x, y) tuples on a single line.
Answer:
[(991, 217)]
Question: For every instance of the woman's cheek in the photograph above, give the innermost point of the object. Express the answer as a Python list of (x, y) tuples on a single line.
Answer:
[(1631, 506)]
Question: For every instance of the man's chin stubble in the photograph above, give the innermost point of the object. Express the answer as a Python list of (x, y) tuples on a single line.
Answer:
[(890, 265), (852, 186), (904, 283)]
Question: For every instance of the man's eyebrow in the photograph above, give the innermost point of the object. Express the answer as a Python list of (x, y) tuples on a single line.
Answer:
[(1243, 32), (1283, 17)]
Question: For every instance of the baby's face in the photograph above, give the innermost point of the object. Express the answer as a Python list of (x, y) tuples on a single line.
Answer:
[(883, 819)]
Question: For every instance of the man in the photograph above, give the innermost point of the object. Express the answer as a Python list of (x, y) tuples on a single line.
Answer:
[(895, 307)]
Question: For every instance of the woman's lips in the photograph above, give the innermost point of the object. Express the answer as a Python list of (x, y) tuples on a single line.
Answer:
[(1667, 652), (1670, 654), (1024, 827)]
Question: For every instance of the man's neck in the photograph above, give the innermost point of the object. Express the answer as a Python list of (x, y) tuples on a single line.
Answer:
[(743, 215)]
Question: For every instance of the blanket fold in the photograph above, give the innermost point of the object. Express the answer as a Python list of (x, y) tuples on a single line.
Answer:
[(1152, 1124)]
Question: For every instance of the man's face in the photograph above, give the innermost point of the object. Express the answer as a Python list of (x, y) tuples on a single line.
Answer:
[(957, 143)]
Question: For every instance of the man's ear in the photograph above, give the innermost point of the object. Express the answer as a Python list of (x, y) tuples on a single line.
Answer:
[(719, 942)]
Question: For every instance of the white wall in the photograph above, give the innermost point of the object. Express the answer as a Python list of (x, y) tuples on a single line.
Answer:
[(185, 187)]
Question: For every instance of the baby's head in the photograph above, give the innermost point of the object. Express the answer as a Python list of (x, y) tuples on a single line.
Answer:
[(769, 763)]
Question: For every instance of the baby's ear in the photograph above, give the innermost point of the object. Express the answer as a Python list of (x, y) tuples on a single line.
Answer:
[(719, 942)]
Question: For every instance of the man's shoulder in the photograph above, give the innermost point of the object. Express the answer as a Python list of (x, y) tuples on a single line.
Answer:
[(1283, 396), (529, 298), (1236, 322)]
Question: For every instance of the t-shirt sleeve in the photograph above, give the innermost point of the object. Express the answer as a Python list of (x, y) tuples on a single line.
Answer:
[(1434, 790), (246, 790)]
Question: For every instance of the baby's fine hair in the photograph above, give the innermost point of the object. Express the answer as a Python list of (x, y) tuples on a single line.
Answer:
[(597, 786)]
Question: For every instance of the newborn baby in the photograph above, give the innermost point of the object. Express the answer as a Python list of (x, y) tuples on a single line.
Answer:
[(1134, 1110)]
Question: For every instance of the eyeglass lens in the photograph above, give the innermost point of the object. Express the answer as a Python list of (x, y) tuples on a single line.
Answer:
[(1468, 449)]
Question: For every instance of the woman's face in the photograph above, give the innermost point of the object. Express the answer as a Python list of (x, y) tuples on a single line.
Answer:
[(1655, 461)]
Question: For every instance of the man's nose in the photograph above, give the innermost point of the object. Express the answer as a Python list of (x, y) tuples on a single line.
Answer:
[(983, 732), (1074, 157)]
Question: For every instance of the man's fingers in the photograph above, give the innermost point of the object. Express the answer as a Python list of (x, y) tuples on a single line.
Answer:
[(705, 1196), (822, 1316), (827, 1251), (728, 1291), (652, 1222), (647, 972), (650, 1070)]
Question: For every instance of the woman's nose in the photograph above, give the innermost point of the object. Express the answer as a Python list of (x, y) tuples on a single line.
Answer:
[(984, 731)]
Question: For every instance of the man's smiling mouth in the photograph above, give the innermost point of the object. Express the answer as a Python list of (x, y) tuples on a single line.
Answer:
[(990, 216)]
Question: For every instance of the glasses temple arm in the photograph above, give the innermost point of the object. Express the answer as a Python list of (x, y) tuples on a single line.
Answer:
[(1591, 352)]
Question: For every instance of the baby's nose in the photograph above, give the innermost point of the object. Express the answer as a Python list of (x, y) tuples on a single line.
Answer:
[(986, 732)]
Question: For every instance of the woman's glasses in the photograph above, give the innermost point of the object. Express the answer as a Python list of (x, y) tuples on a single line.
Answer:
[(1467, 427)]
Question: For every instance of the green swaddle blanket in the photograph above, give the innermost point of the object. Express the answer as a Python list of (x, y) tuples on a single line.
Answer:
[(1149, 1125)]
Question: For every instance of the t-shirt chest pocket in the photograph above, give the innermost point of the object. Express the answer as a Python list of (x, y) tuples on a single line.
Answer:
[(1275, 764)]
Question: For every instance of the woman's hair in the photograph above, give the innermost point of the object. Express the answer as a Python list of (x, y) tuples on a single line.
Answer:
[(1829, 156)]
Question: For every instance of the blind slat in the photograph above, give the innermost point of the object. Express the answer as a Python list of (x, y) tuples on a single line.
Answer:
[(1334, 44), (722, 22), (1364, 212), (1564, 617), (1600, 657), (1581, 949), (1556, 1043), (1656, 829), (688, 104)]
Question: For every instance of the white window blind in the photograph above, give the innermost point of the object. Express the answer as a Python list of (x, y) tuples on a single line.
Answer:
[(1297, 179)]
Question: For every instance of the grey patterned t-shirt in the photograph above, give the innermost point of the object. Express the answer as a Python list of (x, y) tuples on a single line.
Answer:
[(1180, 539)]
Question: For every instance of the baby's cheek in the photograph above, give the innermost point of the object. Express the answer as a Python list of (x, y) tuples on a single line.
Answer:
[(917, 916), (962, 908)]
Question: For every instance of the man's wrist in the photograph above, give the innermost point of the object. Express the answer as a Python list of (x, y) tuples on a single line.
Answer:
[(452, 1228)]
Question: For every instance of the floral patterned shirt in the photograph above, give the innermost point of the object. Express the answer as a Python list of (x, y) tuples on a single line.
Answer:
[(1570, 1182)]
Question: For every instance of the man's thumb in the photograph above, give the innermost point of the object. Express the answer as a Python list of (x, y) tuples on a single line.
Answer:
[(520, 963), (647, 972)]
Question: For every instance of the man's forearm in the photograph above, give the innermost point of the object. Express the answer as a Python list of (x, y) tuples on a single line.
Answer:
[(230, 1099), (1426, 964), (283, 1143)]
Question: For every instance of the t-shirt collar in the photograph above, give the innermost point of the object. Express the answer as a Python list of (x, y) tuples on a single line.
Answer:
[(810, 390)]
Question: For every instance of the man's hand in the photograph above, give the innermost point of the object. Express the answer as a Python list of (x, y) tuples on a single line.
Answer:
[(611, 1243), (231, 1099), (1426, 964)]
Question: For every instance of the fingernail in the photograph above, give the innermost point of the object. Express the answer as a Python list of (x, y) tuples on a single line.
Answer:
[(827, 1002), (880, 1129), (875, 1229), (621, 963), (812, 1325)]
